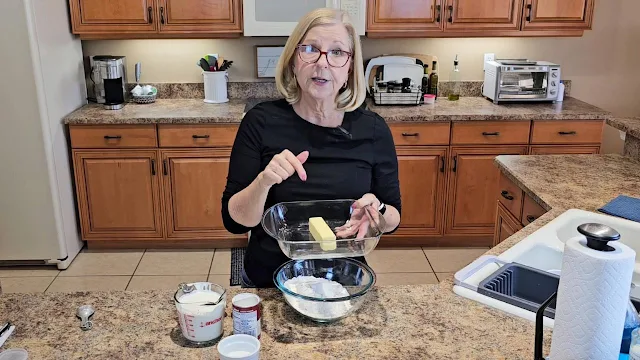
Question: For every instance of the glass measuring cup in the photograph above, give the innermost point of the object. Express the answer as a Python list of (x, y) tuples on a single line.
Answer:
[(201, 308)]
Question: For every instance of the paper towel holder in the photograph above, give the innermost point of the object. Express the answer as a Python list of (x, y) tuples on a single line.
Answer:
[(598, 236), (540, 327)]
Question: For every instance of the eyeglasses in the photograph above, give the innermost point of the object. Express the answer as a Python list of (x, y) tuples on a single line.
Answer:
[(311, 54)]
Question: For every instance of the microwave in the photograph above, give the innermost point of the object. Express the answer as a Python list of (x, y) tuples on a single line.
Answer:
[(280, 17), (521, 80)]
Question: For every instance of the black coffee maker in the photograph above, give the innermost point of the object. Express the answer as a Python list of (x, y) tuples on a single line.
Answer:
[(108, 76)]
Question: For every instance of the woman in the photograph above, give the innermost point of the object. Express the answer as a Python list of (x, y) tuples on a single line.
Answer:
[(316, 144)]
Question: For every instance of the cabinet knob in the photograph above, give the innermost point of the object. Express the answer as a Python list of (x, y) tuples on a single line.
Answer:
[(484, 133), (410, 134), (567, 132), (505, 194), (200, 136), (531, 218), (110, 137)]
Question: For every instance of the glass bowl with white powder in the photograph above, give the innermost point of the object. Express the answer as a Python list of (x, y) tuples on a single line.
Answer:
[(325, 290)]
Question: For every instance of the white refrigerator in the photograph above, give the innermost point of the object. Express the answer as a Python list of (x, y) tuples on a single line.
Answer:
[(41, 81)]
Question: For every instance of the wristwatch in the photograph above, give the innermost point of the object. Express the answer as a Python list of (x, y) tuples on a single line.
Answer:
[(382, 208)]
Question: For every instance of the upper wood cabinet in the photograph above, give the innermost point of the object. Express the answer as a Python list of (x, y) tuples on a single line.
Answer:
[(472, 15), (485, 18), (200, 16), (405, 17), (558, 14), (155, 18), (124, 16)]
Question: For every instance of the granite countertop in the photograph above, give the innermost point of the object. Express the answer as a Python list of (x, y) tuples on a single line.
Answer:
[(629, 125), (396, 322), (584, 182), (190, 111)]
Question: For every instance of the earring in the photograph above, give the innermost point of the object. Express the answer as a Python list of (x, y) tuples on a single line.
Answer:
[(345, 85)]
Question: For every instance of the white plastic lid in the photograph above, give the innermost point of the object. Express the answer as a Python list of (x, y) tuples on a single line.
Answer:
[(14, 354)]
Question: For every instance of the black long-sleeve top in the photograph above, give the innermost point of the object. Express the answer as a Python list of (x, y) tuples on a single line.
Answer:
[(343, 163)]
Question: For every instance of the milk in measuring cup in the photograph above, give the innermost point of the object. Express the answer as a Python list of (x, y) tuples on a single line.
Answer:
[(201, 323)]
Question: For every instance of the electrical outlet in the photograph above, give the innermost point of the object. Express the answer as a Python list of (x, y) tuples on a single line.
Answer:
[(488, 57)]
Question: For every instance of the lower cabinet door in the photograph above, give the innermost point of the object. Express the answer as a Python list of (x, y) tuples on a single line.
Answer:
[(193, 184), (421, 171), (473, 185), (506, 225), (118, 194)]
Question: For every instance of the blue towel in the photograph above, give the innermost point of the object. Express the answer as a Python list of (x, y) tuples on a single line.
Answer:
[(623, 206)]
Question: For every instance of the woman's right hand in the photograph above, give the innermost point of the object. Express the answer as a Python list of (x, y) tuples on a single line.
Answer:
[(282, 166)]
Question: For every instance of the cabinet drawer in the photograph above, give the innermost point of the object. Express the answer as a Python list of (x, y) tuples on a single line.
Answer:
[(531, 210), (209, 135), (112, 136), (510, 196), (490, 132), (421, 134), (567, 132)]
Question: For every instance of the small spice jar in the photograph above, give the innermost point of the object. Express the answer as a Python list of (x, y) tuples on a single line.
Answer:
[(429, 99)]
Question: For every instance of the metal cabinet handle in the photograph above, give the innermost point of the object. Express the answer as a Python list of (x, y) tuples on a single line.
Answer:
[(200, 136), (442, 164), (150, 11), (505, 194), (108, 137), (567, 132), (490, 133), (164, 167), (529, 10), (439, 10), (450, 13), (455, 163), (162, 15), (410, 134), (531, 218), (153, 167)]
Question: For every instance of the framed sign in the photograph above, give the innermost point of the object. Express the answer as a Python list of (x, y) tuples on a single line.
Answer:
[(267, 59)]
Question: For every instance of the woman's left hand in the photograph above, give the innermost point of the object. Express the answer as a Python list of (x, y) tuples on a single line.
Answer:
[(360, 220)]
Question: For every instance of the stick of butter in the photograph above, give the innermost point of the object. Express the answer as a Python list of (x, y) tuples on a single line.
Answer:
[(322, 233)]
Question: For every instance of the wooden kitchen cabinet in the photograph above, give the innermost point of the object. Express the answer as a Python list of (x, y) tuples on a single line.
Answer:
[(122, 19), (478, 15), (506, 225), (200, 16), (558, 14), (403, 18), (193, 182), (472, 188), (118, 194), (563, 149), (422, 184)]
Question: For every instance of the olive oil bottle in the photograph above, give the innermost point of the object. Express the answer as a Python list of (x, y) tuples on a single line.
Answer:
[(454, 78), (433, 80)]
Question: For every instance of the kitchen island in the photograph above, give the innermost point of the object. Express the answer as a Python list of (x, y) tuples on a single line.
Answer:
[(396, 322), (631, 126)]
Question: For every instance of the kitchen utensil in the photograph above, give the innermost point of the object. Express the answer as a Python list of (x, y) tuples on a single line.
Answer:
[(200, 321), (356, 277), (204, 64), (239, 347), (84, 313), (14, 354), (225, 65), (138, 72), (219, 62), (288, 223)]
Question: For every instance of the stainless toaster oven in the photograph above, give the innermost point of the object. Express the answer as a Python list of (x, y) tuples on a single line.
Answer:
[(521, 80)]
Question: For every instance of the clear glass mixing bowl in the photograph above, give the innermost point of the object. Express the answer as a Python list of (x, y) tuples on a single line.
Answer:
[(356, 277), (288, 223)]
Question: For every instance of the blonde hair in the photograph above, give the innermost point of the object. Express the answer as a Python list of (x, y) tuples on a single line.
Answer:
[(354, 95)]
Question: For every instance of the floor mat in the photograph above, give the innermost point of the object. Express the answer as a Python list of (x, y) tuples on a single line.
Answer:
[(237, 262)]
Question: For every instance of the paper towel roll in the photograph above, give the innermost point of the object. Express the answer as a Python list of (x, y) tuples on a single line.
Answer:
[(592, 301)]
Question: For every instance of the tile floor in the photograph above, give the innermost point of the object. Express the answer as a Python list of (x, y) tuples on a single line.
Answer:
[(164, 269)]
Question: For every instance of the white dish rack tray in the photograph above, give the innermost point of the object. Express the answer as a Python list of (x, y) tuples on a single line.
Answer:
[(397, 98)]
